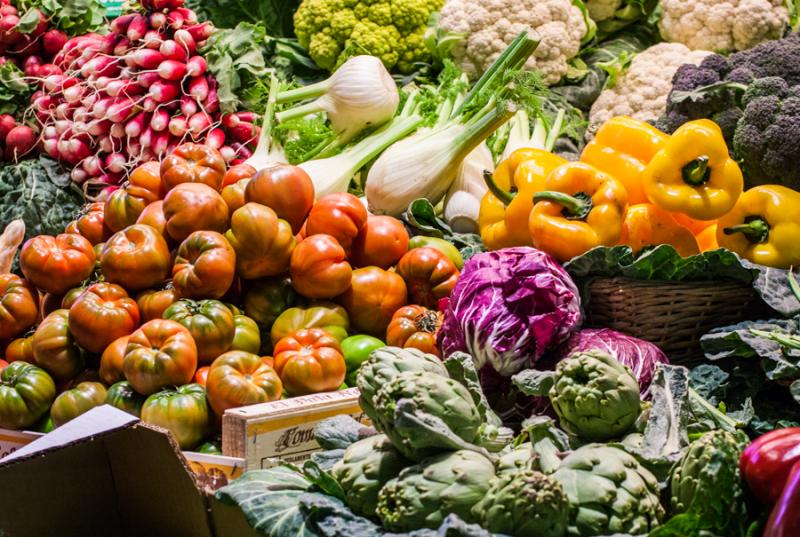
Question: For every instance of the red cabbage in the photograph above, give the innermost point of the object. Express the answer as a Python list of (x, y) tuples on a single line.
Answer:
[(508, 308), (641, 356)]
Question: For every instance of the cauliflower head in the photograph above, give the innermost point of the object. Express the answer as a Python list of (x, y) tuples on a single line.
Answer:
[(488, 26), (641, 92), (393, 30), (600, 10), (722, 25)]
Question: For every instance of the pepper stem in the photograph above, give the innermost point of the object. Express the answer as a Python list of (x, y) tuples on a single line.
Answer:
[(697, 171), (494, 188), (755, 229), (576, 207)]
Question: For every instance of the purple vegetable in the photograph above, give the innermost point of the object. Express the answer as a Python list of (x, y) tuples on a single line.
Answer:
[(508, 308), (641, 356)]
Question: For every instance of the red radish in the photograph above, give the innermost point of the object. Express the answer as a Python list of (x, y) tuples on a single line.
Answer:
[(146, 139), (101, 66), (175, 19), (172, 50), (149, 104), (62, 126), (122, 47), (110, 42), (105, 144), (41, 26), (19, 141), (137, 28), (215, 138), (122, 110), (8, 10), (152, 39), (228, 153), (117, 130), (100, 108), (196, 66), (49, 132), (115, 162), (78, 150), (48, 69), (211, 103), (164, 91), (50, 147), (241, 150), (7, 123), (186, 40), (160, 142), (158, 20), (92, 165), (8, 24), (188, 15), (199, 122), (201, 32), (31, 66), (121, 23), (99, 127), (178, 126), (148, 79), (244, 132), (73, 94), (136, 125), (43, 103), (188, 105), (198, 88), (78, 175), (147, 58), (53, 41), (160, 120), (172, 70)]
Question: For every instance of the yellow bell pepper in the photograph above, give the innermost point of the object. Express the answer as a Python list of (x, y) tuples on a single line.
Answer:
[(504, 212), (648, 225), (764, 227), (622, 148), (695, 226), (580, 208), (693, 174), (707, 239)]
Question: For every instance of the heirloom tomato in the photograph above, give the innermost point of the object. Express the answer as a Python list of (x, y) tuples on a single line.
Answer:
[(236, 173), (26, 393), (103, 313), (201, 375), (20, 350), (57, 264), (19, 305), (125, 204), (319, 267), (71, 296), (339, 214), (204, 266), (121, 395), (111, 361), (285, 189), (153, 302), (209, 321), (160, 353), (446, 247), (193, 163), (49, 303), (372, 298), (91, 223), (233, 195), (381, 242), (309, 361), (183, 411), (326, 315), (73, 402), (194, 207), (54, 348), (153, 216), (239, 378), (135, 258), (263, 242), (429, 275), (415, 327), (356, 350), (267, 298), (246, 336)]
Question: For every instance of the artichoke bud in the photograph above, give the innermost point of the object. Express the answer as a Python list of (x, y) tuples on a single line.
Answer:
[(524, 503), (595, 396)]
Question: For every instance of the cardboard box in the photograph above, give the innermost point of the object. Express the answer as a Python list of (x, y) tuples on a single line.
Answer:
[(283, 429), (107, 474)]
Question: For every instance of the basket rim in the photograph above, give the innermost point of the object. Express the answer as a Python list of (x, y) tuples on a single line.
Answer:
[(716, 284)]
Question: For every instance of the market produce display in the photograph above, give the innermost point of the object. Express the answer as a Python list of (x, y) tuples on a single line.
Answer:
[(553, 245)]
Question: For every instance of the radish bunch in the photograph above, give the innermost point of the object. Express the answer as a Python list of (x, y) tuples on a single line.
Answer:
[(133, 95), (30, 51)]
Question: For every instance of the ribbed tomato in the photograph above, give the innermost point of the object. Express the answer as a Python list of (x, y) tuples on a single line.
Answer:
[(233, 195), (262, 241), (183, 411), (193, 163), (57, 264), (153, 302), (325, 315), (19, 305), (121, 395), (194, 207), (204, 266), (54, 348), (319, 267), (111, 361), (238, 172), (26, 393), (210, 323), (153, 216), (341, 215), (91, 223), (136, 258), (160, 353), (239, 378), (101, 314), (415, 327), (429, 275), (309, 361), (267, 298), (20, 350), (381, 242), (285, 189), (76, 401), (71, 296), (124, 206), (373, 297), (246, 336)]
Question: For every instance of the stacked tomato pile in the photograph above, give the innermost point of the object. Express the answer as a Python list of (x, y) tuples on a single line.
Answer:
[(196, 288)]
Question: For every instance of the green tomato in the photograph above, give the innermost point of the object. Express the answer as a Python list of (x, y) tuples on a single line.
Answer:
[(330, 317), (246, 336), (356, 351), (209, 448), (76, 401), (183, 411), (446, 247), (122, 396), (26, 393)]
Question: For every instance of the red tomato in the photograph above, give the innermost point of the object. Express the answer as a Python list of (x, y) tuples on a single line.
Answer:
[(136, 258), (233, 195), (414, 327), (57, 264), (262, 241), (19, 305), (153, 302), (193, 163), (236, 173), (429, 275), (239, 378), (160, 353), (103, 313), (91, 223), (285, 189), (125, 205), (3, 365), (194, 207), (204, 266), (153, 216), (54, 348), (319, 268), (309, 361), (20, 350), (373, 297), (201, 375), (111, 361), (381, 242), (341, 215)]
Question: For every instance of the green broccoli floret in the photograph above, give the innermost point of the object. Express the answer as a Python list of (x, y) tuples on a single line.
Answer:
[(334, 30)]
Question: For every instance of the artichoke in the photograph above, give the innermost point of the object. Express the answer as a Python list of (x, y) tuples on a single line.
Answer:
[(608, 492), (524, 503), (707, 482), (365, 468), (424, 494), (382, 366), (423, 413), (595, 396)]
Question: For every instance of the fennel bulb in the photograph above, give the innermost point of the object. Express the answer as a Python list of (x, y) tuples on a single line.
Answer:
[(359, 95), (542, 137), (463, 201), (268, 152)]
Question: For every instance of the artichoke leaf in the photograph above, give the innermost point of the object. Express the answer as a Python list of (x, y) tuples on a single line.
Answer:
[(340, 431), (548, 442), (461, 367), (323, 479), (534, 382), (328, 458)]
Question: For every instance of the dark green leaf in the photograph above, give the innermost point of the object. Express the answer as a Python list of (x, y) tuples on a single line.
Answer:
[(275, 15), (534, 382), (28, 22), (461, 368), (75, 17), (421, 217), (548, 442), (340, 431), (328, 458), (322, 479), (14, 91)]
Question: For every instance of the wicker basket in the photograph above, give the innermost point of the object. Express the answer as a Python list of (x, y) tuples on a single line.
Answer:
[(673, 315)]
